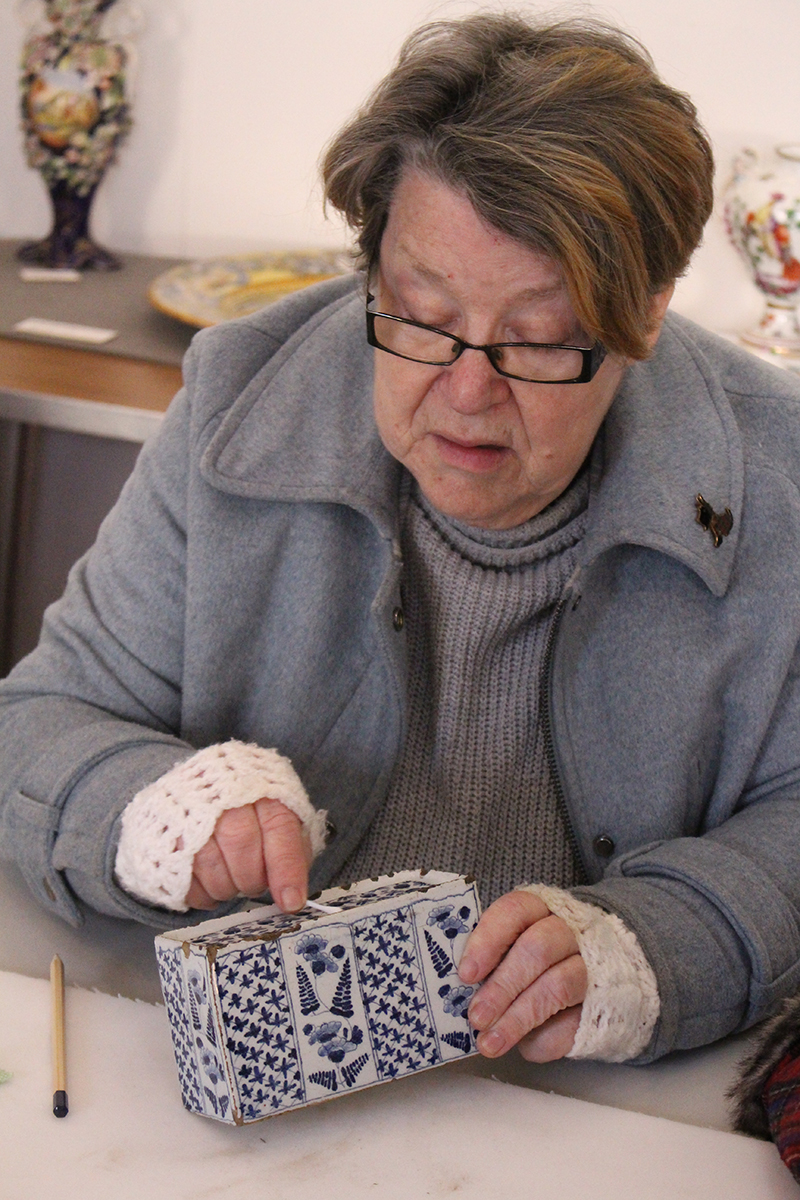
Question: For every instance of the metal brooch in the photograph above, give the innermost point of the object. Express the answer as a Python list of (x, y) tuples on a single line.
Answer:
[(718, 525)]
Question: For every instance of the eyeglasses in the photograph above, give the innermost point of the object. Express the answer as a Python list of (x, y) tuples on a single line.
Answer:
[(531, 362)]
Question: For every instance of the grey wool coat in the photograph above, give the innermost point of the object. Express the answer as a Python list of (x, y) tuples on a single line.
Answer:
[(245, 585)]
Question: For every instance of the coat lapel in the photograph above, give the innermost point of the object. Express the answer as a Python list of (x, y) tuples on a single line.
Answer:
[(670, 435), (303, 429)]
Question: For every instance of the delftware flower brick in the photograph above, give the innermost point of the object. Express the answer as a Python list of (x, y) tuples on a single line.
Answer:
[(270, 1011)]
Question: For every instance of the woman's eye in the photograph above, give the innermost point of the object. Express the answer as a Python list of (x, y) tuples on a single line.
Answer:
[(424, 317), (421, 314)]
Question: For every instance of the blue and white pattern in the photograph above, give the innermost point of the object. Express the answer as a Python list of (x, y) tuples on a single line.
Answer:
[(392, 979), (278, 1012), (278, 922), (259, 1030), (169, 967), (208, 1051)]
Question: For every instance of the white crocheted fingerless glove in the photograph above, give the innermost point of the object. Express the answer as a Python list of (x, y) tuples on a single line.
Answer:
[(166, 823), (622, 1003)]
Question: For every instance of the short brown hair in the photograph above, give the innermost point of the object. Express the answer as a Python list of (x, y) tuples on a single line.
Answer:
[(561, 135)]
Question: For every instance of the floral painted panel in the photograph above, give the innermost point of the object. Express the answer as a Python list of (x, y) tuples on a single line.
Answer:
[(443, 928), (322, 979), (209, 1051), (169, 966)]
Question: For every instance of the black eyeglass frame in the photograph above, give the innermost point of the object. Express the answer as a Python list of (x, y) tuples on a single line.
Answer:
[(592, 356)]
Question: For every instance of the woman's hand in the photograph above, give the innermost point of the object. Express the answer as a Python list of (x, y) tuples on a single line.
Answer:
[(536, 979), (254, 848)]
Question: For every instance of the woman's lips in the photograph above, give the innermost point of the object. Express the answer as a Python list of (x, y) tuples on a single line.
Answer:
[(483, 457)]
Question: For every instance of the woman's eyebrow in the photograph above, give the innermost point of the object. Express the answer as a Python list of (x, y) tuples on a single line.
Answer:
[(429, 275), (420, 269), (542, 292)]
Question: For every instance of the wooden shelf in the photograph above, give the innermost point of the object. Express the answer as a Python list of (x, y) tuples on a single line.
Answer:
[(86, 375)]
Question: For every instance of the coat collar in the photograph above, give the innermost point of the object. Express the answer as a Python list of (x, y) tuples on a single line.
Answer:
[(303, 430), (669, 436)]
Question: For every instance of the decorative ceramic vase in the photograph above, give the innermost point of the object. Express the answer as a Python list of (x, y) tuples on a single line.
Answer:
[(762, 215), (75, 111)]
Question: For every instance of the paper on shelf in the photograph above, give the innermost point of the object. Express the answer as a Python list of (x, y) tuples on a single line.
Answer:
[(49, 275), (43, 327)]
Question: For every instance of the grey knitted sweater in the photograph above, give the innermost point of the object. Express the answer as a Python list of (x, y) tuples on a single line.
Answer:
[(473, 790)]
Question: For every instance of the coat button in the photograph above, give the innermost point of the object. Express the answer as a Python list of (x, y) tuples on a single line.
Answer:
[(603, 845), (398, 619), (330, 829)]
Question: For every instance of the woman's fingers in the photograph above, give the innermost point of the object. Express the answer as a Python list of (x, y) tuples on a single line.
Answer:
[(257, 847), (210, 873), (238, 836), (531, 959), (532, 971), (498, 930), (553, 1039), (561, 987), (198, 897), (287, 854)]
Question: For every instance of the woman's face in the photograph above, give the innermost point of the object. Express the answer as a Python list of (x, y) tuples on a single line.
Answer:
[(486, 450)]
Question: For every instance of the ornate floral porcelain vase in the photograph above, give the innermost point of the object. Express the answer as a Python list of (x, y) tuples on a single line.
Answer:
[(75, 111), (762, 215)]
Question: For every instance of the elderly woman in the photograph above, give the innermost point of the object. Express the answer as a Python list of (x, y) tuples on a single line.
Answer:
[(505, 570)]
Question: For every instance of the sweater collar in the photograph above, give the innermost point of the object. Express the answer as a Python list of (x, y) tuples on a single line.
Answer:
[(303, 430)]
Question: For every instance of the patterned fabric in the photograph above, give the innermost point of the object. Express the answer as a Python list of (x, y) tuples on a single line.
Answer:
[(781, 1099), (766, 1097)]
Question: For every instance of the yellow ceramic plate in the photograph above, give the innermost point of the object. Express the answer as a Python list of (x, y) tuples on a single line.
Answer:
[(218, 289)]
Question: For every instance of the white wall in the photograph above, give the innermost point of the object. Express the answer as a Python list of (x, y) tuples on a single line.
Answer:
[(235, 99)]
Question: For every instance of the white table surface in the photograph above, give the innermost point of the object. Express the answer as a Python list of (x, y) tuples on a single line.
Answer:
[(440, 1133)]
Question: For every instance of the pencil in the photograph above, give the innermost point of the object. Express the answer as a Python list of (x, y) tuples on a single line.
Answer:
[(60, 1105)]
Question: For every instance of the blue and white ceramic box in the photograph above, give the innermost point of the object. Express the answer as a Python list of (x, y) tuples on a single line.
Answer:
[(270, 1011)]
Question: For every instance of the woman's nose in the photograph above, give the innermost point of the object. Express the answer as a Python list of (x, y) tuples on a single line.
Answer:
[(473, 384)]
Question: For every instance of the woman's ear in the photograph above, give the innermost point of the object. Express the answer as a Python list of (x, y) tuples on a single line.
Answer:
[(658, 310)]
